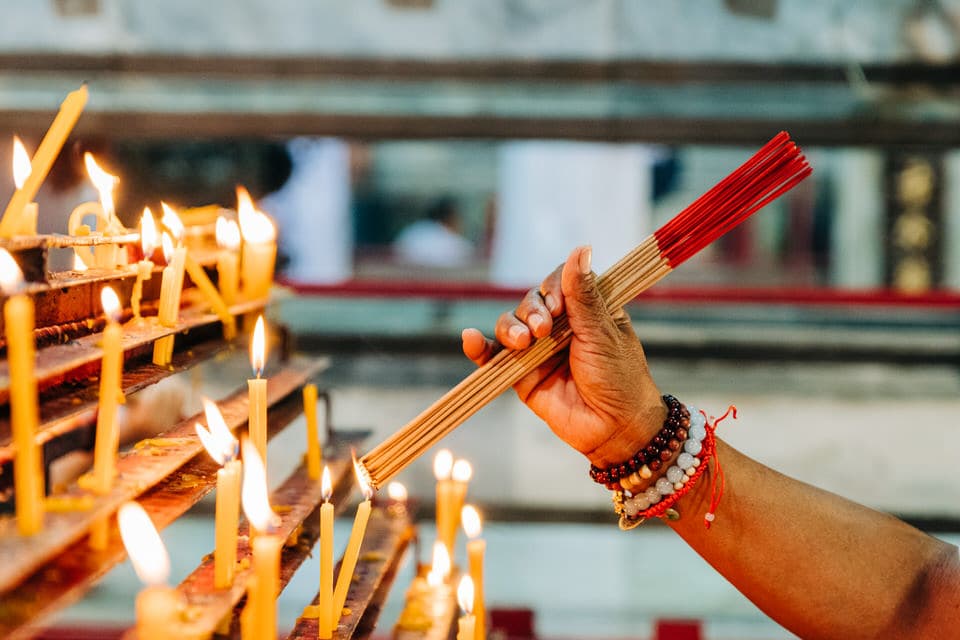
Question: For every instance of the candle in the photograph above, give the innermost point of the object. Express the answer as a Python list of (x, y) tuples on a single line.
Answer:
[(442, 467), (263, 590), (325, 599), (158, 606), (105, 256), (439, 565), (257, 390), (148, 243), (43, 159), (314, 453), (397, 493), (171, 285), (217, 304), (476, 547), (462, 472), (466, 629), (349, 562), (111, 394), (259, 247), (223, 448), (228, 259), (27, 463), (27, 218)]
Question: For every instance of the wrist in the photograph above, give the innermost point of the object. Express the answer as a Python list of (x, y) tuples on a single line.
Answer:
[(630, 438)]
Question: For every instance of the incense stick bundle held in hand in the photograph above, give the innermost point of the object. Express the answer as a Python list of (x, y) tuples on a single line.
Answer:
[(771, 172)]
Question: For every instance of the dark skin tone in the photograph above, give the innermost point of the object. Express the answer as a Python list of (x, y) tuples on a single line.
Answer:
[(820, 565)]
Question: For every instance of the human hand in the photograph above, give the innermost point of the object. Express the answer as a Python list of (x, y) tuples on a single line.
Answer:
[(598, 396)]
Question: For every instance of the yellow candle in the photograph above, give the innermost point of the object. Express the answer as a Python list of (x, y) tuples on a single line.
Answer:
[(111, 394), (476, 548), (171, 286), (158, 606), (466, 627), (27, 463), (257, 391), (217, 304), (349, 561), (259, 247), (26, 219), (442, 467), (462, 472), (105, 256), (148, 243), (325, 615), (43, 159), (228, 259), (222, 447), (314, 453)]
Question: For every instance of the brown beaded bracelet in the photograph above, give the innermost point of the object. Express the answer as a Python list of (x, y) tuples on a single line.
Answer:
[(651, 457)]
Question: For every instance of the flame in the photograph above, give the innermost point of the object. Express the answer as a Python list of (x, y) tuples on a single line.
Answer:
[(78, 264), (255, 226), (103, 181), (218, 440), (258, 348), (465, 594), (442, 464), (172, 222), (167, 243), (111, 304), (440, 567), (148, 233), (363, 478), (397, 492), (253, 493), (462, 471), (326, 485), (144, 546), (21, 163), (228, 234), (11, 278), (470, 518)]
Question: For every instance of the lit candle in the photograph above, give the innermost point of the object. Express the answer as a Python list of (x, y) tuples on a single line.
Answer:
[(171, 286), (158, 605), (43, 159), (442, 467), (259, 247), (257, 390), (148, 243), (314, 453), (27, 463), (476, 547), (27, 218), (228, 259), (223, 448), (398, 499), (265, 585), (466, 628), (104, 256), (439, 565), (462, 472), (349, 561), (325, 616), (111, 394), (200, 278)]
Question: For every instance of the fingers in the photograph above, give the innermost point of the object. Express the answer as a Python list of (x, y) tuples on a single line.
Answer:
[(586, 309), (533, 311), (511, 332), (477, 347), (552, 292)]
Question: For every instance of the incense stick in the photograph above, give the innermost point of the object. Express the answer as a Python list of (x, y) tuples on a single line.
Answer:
[(772, 171)]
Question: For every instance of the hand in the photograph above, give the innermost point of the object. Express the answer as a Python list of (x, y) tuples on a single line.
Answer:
[(598, 395)]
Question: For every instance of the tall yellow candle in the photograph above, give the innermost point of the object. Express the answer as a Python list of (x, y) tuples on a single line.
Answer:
[(314, 453), (228, 259), (349, 561), (257, 390), (212, 296), (442, 468), (111, 394), (259, 247), (148, 244), (18, 318), (466, 628), (223, 448), (325, 615), (26, 219), (476, 548), (171, 286), (262, 597), (158, 606), (461, 474), (43, 159)]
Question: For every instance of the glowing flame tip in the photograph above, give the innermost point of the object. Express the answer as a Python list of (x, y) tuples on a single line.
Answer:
[(111, 304), (21, 163), (465, 594), (470, 518), (462, 471), (442, 464), (397, 492), (258, 347), (11, 277), (147, 553), (326, 485)]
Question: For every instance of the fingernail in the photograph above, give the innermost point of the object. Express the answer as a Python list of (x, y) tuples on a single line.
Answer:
[(586, 257), (550, 301), (516, 332), (535, 320)]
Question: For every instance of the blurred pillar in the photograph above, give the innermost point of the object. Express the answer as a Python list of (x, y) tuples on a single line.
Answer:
[(857, 236), (914, 189), (951, 220)]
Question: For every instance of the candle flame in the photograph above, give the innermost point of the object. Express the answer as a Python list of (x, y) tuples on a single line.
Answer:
[(255, 226), (228, 234), (166, 242), (326, 485), (147, 553), (78, 263), (397, 492), (148, 233), (21, 163), (111, 304), (258, 347), (103, 181), (440, 566), (216, 437), (470, 518), (465, 594), (363, 478), (442, 464), (11, 277), (172, 222), (253, 493), (462, 471)]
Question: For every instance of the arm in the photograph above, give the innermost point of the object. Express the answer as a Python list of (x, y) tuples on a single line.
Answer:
[(820, 565)]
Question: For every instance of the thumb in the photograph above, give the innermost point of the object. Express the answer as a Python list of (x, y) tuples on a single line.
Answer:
[(586, 309)]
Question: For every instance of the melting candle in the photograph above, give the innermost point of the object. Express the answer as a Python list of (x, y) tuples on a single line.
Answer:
[(476, 548), (257, 390), (442, 469), (228, 259), (148, 244), (466, 627), (171, 286), (259, 247), (325, 617), (26, 219), (349, 562)]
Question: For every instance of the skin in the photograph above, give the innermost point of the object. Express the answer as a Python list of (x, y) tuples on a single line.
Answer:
[(820, 565)]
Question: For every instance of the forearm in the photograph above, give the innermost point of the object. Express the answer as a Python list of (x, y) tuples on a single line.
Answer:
[(822, 566)]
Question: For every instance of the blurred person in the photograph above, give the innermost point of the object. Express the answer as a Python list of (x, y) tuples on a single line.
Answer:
[(436, 240)]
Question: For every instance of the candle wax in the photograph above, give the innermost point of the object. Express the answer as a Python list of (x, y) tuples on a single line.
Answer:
[(158, 612), (227, 517), (228, 275), (314, 453), (349, 562), (257, 267), (107, 437), (171, 287), (144, 272), (262, 599), (325, 617), (475, 551), (445, 502), (466, 627), (212, 296)]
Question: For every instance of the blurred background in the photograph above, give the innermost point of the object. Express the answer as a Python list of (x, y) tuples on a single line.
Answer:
[(427, 161)]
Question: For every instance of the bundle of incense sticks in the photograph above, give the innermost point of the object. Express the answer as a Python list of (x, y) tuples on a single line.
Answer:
[(771, 172)]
